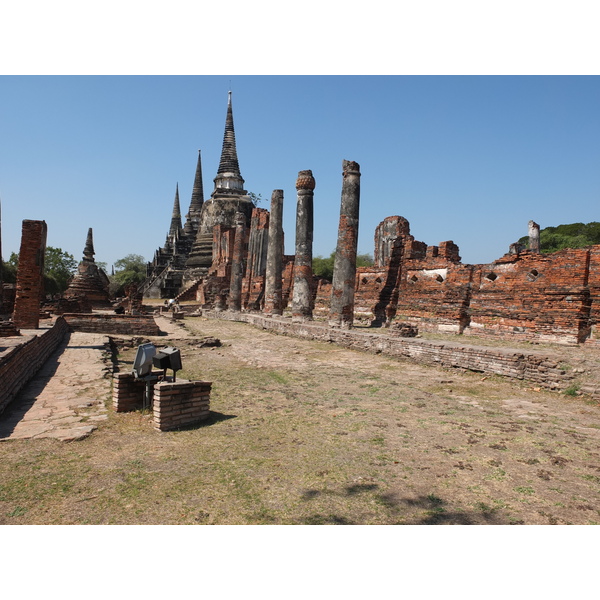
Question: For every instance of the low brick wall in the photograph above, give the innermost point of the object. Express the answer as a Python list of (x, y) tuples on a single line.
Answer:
[(531, 366), (112, 324), (175, 404), (20, 363), (181, 403)]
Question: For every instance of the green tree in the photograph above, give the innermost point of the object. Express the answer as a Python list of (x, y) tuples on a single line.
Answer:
[(59, 267), (323, 267), (9, 268), (573, 235), (129, 270), (256, 198), (364, 260)]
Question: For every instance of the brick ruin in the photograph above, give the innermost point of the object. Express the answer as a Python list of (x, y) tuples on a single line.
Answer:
[(523, 295), (90, 283), (190, 250), (229, 255), (233, 259), (30, 275)]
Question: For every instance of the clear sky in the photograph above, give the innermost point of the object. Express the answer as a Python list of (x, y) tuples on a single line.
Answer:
[(464, 158)]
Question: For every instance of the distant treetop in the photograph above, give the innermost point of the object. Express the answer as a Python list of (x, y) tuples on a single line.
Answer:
[(575, 235)]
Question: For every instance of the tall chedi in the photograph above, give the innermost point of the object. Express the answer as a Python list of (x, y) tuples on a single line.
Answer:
[(175, 229), (192, 219), (227, 198)]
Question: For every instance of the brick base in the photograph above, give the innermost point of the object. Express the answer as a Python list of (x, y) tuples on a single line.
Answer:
[(181, 403), (128, 392), (175, 404)]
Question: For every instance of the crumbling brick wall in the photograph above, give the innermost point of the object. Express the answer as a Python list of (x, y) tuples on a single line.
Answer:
[(522, 295), (542, 294), (112, 324), (20, 363), (593, 285), (526, 295)]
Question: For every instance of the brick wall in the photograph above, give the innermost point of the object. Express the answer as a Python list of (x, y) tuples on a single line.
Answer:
[(112, 324), (522, 296), (531, 366), (20, 363), (180, 404)]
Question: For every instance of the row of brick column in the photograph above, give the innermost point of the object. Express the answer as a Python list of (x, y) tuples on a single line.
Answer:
[(342, 299)]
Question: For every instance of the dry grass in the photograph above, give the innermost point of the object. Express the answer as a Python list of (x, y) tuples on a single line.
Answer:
[(309, 433)]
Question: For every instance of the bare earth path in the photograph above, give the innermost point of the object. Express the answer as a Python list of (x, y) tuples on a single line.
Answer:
[(309, 433)]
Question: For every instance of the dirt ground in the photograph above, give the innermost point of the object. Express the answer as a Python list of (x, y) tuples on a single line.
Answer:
[(306, 432)]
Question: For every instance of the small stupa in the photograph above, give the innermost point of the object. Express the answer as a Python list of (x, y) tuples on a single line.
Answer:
[(90, 282)]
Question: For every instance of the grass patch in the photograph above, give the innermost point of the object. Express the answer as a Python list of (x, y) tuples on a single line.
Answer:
[(572, 390)]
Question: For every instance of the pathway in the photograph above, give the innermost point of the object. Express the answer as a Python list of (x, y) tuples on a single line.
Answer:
[(66, 399)]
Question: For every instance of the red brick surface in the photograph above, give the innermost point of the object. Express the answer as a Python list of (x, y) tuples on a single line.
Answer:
[(30, 282)]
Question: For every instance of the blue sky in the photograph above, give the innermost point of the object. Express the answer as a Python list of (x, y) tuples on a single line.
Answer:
[(465, 158)]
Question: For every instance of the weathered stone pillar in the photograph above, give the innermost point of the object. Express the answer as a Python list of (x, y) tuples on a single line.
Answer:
[(237, 264), (273, 283), (534, 237), (302, 309), (30, 275), (341, 313)]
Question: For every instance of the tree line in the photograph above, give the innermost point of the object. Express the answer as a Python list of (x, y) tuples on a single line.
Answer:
[(574, 235)]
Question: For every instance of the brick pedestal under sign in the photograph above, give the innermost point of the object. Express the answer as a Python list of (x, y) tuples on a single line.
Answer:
[(175, 404), (181, 403)]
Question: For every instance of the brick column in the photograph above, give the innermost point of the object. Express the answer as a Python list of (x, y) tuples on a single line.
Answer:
[(237, 265), (303, 274), (273, 281), (341, 312), (30, 275)]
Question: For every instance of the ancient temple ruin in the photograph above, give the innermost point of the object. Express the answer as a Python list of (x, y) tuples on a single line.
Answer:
[(90, 283), (229, 256), (189, 250)]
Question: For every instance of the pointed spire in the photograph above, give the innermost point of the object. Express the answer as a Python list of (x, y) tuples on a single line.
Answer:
[(176, 217), (192, 219), (229, 178), (198, 191), (88, 251)]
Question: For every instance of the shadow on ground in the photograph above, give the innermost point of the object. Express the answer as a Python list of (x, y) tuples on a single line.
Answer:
[(212, 419), (421, 510)]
